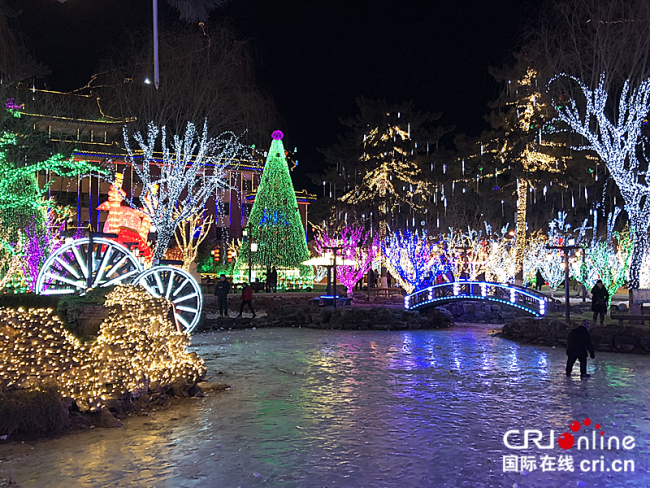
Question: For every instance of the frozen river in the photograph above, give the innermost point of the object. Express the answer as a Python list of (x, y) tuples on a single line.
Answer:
[(314, 408)]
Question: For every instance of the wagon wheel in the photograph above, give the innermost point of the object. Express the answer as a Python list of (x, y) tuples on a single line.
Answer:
[(180, 288), (66, 270)]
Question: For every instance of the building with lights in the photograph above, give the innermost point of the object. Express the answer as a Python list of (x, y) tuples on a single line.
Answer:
[(97, 138)]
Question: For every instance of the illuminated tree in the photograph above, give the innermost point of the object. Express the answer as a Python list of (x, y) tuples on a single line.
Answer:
[(275, 224), (189, 236), (357, 246), (193, 167), (551, 261), (606, 261), (413, 259), (466, 252), (520, 149), (617, 141), (375, 168), (392, 180), (500, 262)]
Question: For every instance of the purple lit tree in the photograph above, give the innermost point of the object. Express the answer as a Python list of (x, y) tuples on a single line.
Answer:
[(39, 243), (356, 245)]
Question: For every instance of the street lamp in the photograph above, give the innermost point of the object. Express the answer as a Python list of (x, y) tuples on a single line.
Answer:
[(253, 248)]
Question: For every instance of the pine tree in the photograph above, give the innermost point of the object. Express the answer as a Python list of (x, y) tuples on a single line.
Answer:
[(275, 225)]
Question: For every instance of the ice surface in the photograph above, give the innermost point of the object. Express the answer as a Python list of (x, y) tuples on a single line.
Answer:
[(314, 408)]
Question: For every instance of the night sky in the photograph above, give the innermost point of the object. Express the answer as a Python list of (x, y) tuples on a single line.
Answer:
[(315, 56)]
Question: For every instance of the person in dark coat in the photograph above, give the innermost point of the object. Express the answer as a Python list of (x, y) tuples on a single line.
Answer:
[(221, 290), (579, 343), (246, 299), (371, 278), (599, 299), (273, 280)]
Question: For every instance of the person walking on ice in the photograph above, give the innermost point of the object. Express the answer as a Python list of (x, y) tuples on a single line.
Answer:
[(578, 344), (246, 299)]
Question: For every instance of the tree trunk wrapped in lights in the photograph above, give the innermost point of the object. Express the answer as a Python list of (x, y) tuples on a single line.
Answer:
[(11, 256), (357, 246), (520, 232), (181, 183), (275, 226)]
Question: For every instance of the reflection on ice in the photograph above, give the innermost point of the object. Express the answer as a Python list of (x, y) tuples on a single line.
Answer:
[(356, 409)]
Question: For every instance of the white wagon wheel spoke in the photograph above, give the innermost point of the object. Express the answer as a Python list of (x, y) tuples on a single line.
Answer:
[(178, 286), (66, 270)]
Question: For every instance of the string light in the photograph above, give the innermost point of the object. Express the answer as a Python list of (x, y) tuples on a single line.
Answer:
[(138, 349)]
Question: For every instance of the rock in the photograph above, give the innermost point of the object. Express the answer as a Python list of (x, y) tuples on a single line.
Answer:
[(468, 308), (550, 332), (106, 420)]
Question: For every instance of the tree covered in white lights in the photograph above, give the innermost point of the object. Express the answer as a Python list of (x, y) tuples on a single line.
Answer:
[(614, 131), (177, 182), (467, 252), (500, 255)]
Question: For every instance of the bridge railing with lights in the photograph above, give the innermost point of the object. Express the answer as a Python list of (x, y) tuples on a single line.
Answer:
[(505, 294)]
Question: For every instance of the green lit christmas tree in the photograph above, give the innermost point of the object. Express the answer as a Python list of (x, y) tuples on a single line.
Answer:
[(275, 226)]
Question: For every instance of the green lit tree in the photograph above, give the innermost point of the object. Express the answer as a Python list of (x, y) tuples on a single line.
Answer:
[(275, 225)]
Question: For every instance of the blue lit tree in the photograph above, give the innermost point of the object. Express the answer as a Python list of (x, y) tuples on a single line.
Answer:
[(413, 259)]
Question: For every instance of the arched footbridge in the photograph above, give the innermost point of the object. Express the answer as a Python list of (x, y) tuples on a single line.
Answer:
[(456, 291)]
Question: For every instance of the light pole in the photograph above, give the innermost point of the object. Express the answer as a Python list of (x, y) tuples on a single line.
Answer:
[(156, 67), (567, 299), (335, 250), (253, 248)]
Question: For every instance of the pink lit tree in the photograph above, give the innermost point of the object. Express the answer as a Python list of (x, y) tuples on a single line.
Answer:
[(357, 245)]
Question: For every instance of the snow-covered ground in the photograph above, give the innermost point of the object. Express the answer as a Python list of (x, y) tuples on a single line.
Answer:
[(314, 408)]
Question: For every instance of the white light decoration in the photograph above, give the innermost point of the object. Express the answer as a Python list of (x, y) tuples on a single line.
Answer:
[(617, 142), (177, 185), (180, 288)]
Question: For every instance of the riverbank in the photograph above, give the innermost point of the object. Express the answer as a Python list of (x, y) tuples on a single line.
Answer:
[(306, 312)]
